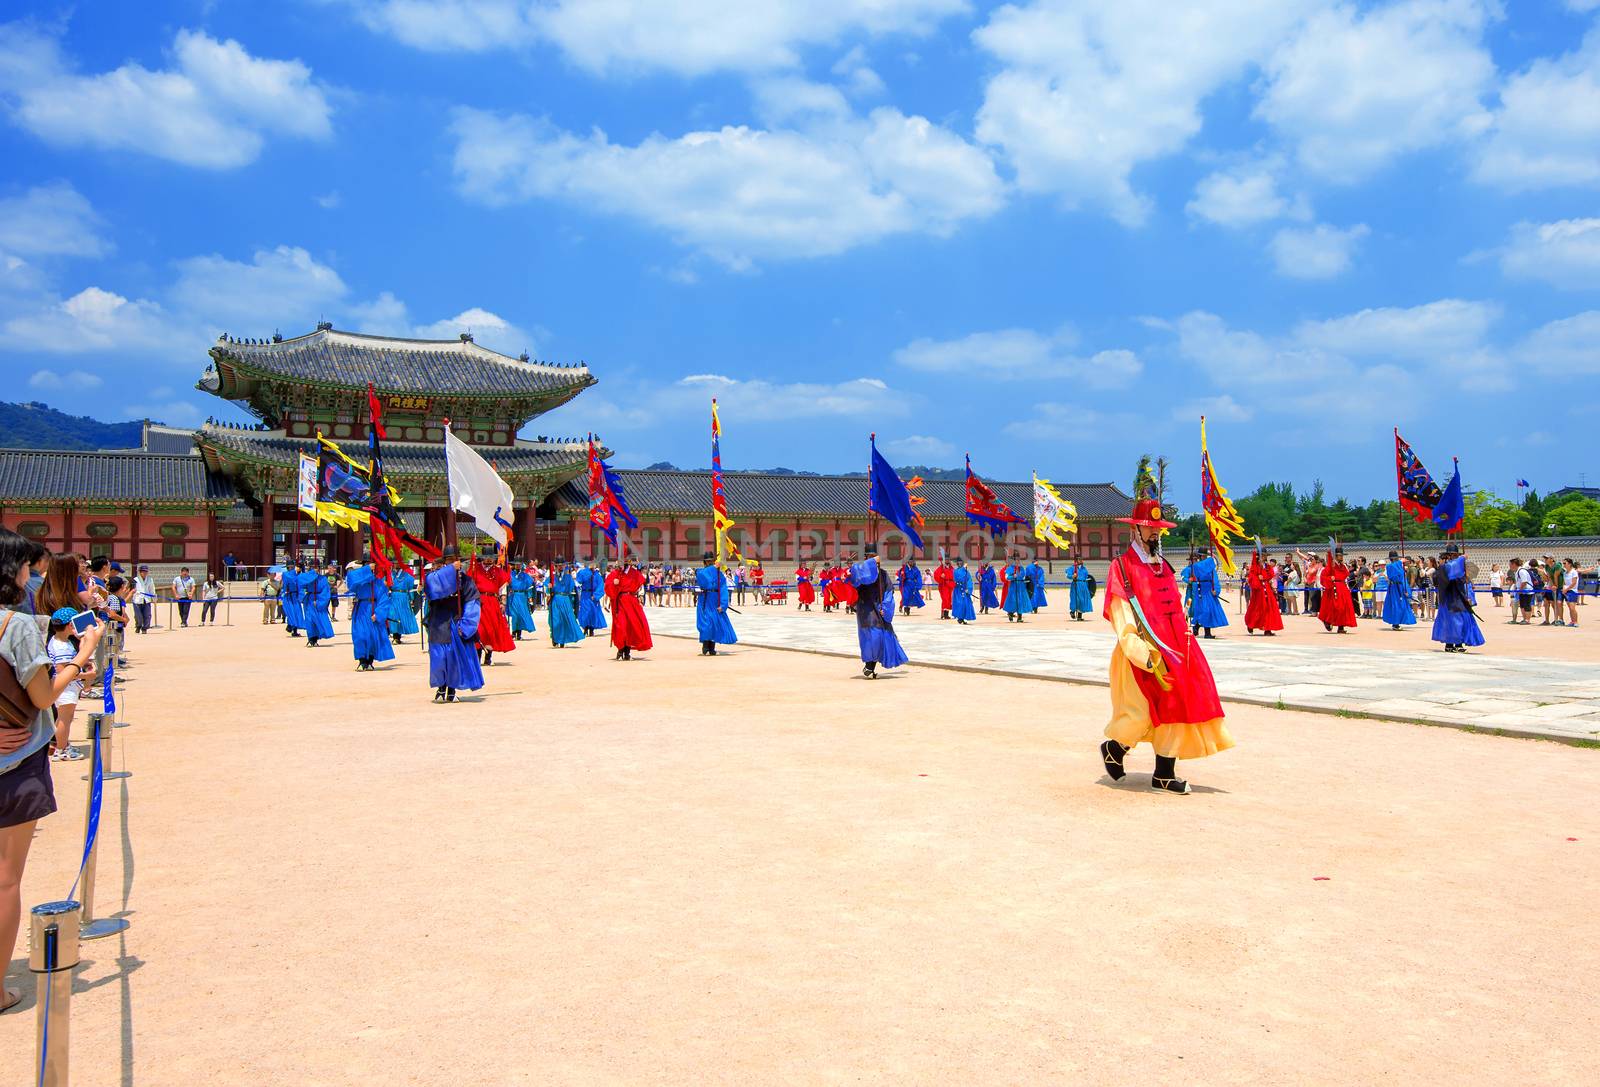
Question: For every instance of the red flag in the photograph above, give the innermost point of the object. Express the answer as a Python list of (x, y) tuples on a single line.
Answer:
[(375, 412)]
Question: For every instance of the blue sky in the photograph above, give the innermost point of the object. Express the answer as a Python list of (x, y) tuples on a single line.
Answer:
[(1047, 233)]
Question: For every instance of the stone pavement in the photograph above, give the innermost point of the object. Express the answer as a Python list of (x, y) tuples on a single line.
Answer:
[(1542, 698)]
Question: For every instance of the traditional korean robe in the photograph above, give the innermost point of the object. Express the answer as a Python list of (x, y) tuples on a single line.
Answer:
[(1206, 609), (519, 591), (1081, 595), (494, 633), (564, 628), (1185, 722), (1036, 586), (591, 586), (987, 596), (1262, 613), (944, 576), (1397, 596), (630, 629), (1453, 622), (294, 616), (452, 630), (804, 591), (874, 606), (316, 598), (711, 606), (369, 635), (961, 594), (1337, 610), (1019, 596), (403, 604), (911, 587)]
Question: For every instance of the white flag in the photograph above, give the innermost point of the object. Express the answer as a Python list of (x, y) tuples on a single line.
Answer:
[(477, 489)]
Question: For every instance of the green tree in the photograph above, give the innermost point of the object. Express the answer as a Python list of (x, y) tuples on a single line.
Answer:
[(1491, 517), (1268, 510), (1577, 517)]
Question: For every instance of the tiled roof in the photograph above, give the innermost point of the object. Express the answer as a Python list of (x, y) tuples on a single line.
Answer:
[(427, 367), (399, 458), (28, 475), (829, 496)]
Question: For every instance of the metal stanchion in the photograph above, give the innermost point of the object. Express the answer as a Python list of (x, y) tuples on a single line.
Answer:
[(106, 926), (53, 955), (100, 741)]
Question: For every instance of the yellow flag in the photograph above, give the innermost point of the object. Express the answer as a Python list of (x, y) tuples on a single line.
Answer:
[(1223, 522), (1054, 518)]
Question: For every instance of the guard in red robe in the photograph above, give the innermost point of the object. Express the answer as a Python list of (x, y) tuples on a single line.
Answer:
[(944, 576), (630, 629), (1337, 610), (841, 584), (1161, 686), (1262, 613), (494, 632), (805, 594)]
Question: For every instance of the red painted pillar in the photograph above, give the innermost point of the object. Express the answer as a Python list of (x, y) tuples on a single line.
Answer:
[(135, 529), (269, 515), (66, 529)]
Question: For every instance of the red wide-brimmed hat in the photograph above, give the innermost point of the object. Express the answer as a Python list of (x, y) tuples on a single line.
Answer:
[(1147, 512)]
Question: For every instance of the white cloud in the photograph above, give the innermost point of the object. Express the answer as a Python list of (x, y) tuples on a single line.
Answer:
[(72, 379), (1564, 253), (1088, 92), (285, 285), (858, 74), (1216, 409), (386, 315), (328, 201), (1448, 328), (1020, 353), (686, 37), (740, 194), (1318, 252), (1244, 196), (213, 108), (94, 320), (1547, 130), (919, 448), (1354, 89), (1053, 421), (1569, 347), (51, 220)]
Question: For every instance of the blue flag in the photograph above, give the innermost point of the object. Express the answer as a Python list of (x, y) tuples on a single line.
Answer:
[(1452, 506), (889, 497)]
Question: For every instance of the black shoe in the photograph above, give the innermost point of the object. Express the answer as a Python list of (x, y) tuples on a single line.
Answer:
[(450, 694), (1112, 754), (438, 695), (1170, 785), (1210, 635), (870, 670)]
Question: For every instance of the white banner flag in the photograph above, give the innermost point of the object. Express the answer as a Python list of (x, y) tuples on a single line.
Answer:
[(476, 488), (308, 484)]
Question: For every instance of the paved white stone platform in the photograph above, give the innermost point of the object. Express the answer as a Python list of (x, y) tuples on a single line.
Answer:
[(1537, 697)]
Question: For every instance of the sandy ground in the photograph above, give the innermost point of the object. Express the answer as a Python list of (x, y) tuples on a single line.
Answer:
[(1561, 643), (763, 869)]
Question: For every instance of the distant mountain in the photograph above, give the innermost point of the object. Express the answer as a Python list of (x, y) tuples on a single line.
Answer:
[(38, 426), (906, 471)]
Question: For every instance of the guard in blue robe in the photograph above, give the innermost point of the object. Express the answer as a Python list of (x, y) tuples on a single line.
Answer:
[(315, 598), (591, 587), (1397, 594), (875, 615), (519, 591), (564, 628), (402, 605), (1081, 596), (369, 639), (294, 616), (1036, 585), (911, 587), (1206, 612), (1186, 578), (711, 607), (452, 621), (961, 596), (1454, 623), (1019, 594), (988, 589)]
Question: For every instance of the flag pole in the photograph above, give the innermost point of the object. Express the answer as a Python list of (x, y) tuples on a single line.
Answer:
[(872, 440), (1400, 508)]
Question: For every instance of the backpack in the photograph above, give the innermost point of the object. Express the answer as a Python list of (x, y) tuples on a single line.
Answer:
[(1536, 576)]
